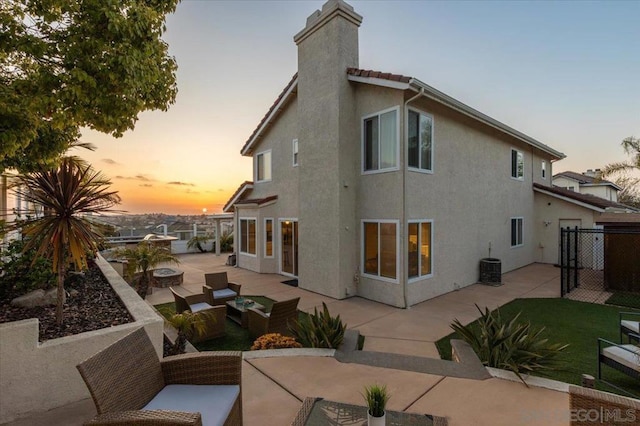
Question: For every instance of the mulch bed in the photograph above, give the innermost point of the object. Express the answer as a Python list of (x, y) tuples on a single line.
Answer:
[(91, 305)]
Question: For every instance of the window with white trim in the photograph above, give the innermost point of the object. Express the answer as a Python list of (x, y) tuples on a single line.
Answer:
[(420, 240), (248, 236), (263, 166), (268, 237), (380, 141), (420, 140), (543, 172), (517, 164), (517, 230), (380, 249), (295, 152)]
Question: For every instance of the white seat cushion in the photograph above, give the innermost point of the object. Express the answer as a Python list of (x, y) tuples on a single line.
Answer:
[(627, 355), (199, 306), (225, 292), (631, 325), (214, 403)]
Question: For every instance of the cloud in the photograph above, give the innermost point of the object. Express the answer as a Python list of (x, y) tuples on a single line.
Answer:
[(141, 178), (220, 190), (110, 161), (146, 185), (178, 183)]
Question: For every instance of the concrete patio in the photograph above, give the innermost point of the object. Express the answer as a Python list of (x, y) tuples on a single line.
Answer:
[(284, 382)]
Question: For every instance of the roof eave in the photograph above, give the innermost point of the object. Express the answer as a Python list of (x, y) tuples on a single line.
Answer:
[(569, 200), (447, 100), (247, 150)]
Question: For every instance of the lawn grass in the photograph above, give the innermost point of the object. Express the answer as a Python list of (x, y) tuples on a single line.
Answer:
[(236, 338), (629, 300), (566, 321)]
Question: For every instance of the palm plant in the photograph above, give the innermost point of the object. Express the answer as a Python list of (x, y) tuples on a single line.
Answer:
[(144, 258), (631, 147), (66, 193), (197, 241), (187, 324)]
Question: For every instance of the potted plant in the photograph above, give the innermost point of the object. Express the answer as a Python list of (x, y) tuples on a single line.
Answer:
[(376, 397)]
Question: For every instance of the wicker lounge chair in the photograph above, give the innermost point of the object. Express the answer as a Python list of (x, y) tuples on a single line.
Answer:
[(629, 325), (584, 402), (276, 321), (131, 386), (218, 288), (624, 358), (196, 303)]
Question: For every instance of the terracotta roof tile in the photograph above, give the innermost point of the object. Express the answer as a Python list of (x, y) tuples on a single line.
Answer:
[(377, 74), (235, 194), (584, 198), (258, 201), (582, 178)]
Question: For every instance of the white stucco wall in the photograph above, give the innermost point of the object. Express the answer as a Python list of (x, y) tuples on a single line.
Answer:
[(40, 376), (551, 213)]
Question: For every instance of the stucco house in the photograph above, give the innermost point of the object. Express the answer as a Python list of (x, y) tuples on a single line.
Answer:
[(589, 182), (379, 185)]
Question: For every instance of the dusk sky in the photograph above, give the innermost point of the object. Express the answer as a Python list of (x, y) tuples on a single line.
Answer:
[(564, 73)]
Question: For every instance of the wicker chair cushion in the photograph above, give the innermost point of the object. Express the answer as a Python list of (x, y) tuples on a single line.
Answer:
[(627, 355), (196, 307), (214, 403), (631, 325), (225, 292)]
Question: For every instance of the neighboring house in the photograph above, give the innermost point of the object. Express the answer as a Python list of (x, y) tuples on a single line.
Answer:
[(377, 184), (589, 182)]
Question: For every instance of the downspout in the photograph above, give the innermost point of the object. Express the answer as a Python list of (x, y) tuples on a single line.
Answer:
[(405, 170)]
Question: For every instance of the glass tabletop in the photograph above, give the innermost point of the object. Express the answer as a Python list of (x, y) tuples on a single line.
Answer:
[(242, 307), (321, 412)]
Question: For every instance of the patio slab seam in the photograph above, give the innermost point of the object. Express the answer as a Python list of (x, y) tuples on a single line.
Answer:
[(273, 380)]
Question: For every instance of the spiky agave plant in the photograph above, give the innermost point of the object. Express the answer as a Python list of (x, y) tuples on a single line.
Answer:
[(319, 330), (65, 193), (510, 345)]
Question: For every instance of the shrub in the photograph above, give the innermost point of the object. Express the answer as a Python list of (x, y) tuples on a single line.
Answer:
[(23, 272), (319, 330), (510, 345), (274, 341)]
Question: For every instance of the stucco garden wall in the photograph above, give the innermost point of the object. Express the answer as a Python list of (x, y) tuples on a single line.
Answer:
[(40, 376)]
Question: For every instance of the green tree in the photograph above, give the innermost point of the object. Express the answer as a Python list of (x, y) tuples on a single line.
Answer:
[(66, 193), (625, 173), (67, 64), (144, 258)]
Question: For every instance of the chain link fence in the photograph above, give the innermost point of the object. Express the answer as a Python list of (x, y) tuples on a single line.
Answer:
[(601, 266)]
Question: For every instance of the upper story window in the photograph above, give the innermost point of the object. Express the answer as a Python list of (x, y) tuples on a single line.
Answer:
[(380, 141), (420, 141), (517, 164), (517, 231), (248, 236), (380, 249), (295, 152), (263, 166), (543, 171)]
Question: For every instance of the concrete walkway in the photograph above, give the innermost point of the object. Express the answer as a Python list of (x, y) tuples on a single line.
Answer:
[(274, 388)]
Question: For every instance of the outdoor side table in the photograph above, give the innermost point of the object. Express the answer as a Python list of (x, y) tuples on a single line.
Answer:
[(238, 312)]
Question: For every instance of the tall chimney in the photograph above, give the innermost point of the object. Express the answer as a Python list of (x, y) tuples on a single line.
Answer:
[(328, 141)]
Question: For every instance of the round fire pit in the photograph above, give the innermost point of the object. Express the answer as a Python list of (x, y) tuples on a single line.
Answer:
[(167, 277)]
